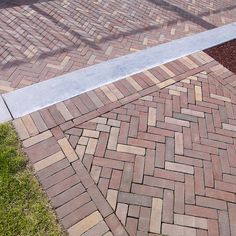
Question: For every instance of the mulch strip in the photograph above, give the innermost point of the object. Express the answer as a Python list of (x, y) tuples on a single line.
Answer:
[(225, 54)]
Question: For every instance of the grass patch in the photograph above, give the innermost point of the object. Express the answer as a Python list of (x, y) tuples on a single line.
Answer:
[(24, 209)]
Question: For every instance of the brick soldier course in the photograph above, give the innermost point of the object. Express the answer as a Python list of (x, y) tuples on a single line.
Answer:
[(148, 155), (44, 39)]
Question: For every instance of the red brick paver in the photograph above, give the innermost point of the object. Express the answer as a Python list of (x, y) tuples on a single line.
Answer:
[(157, 158), (44, 39)]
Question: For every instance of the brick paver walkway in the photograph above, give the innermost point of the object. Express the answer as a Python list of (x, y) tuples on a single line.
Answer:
[(152, 154), (43, 39)]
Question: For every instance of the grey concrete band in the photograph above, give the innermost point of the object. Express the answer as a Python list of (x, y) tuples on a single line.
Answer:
[(4, 112), (32, 98)]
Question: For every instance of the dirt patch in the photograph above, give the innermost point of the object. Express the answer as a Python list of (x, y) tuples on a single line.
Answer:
[(225, 54)]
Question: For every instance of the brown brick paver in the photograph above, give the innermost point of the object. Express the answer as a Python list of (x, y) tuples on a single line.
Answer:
[(44, 39), (149, 162)]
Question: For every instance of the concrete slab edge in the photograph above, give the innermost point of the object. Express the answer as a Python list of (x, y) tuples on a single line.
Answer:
[(38, 96), (5, 115)]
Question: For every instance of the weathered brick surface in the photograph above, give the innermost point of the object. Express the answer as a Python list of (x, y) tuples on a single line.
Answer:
[(158, 163), (41, 39)]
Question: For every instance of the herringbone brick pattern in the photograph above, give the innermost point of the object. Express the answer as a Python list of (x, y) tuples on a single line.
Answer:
[(157, 160), (44, 39)]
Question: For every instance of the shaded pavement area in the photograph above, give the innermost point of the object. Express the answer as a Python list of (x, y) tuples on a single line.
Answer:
[(44, 39)]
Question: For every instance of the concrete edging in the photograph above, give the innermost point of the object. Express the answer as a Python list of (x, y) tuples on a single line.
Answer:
[(35, 97), (4, 112)]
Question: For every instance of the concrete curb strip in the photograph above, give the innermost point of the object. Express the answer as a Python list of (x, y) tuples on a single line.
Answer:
[(35, 97)]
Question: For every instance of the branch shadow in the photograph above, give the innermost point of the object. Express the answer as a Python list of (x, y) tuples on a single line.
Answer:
[(63, 26), (17, 3), (183, 14)]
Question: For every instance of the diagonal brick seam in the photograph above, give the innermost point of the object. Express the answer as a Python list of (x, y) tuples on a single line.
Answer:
[(52, 153), (69, 172)]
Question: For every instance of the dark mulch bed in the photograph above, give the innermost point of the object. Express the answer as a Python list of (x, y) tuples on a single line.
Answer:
[(225, 54)]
